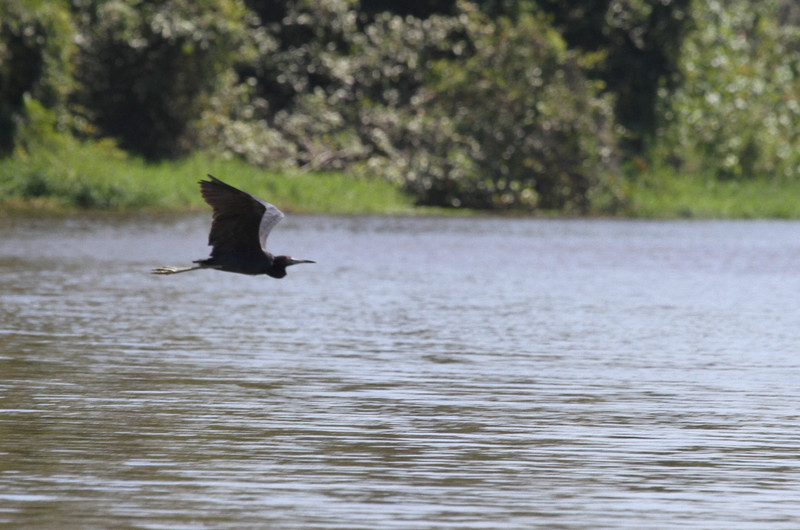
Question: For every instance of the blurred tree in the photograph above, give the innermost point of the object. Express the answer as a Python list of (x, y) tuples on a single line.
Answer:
[(419, 8), (736, 114), (642, 41), (269, 11), (520, 124), (459, 110), (272, 11), (146, 68), (311, 94), (35, 63), (639, 39)]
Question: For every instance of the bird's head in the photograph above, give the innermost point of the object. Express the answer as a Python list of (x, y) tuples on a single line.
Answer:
[(279, 264)]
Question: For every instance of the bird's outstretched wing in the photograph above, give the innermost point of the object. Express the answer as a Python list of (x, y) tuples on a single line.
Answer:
[(241, 222)]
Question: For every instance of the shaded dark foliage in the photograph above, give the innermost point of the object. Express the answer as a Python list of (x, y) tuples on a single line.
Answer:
[(489, 104), (145, 70), (35, 53), (642, 40), (419, 9)]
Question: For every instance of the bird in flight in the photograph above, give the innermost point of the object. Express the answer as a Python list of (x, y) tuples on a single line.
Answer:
[(238, 237)]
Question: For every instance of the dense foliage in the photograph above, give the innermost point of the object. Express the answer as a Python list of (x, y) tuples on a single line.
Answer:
[(737, 112), (515, 124), (35, 68), (493, 104), (641, 40), (146, 69)]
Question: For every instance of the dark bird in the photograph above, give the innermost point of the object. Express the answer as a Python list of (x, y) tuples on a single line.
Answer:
[(238, 237)]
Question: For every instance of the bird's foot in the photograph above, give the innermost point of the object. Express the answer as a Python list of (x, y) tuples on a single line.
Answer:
[(171, 270)]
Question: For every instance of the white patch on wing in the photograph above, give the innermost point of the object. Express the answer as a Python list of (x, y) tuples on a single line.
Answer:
[(272, 216)]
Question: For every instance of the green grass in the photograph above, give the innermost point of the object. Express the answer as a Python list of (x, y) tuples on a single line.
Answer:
[(101, 177), (667, 194)]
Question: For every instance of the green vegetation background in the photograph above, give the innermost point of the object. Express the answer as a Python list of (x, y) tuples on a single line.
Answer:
[(610, 107)]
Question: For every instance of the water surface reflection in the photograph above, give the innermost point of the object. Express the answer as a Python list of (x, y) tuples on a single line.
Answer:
[(464, 373)]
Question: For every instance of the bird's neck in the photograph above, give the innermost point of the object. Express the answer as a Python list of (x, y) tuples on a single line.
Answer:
[(277, 267)]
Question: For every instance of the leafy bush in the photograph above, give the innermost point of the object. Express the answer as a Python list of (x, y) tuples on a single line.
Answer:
[(459, 110), (307, 98), (641, 40), (737, 110), (517, 124), (147, 68), (35, 54), (484, 104)]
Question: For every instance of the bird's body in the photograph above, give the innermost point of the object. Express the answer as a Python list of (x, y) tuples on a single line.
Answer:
[(249, 263), (238, 237)]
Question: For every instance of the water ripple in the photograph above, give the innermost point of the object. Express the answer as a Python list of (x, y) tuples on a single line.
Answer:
[(471, 373)]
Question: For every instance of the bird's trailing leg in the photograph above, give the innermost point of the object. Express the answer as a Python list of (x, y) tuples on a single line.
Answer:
[(173, 270)]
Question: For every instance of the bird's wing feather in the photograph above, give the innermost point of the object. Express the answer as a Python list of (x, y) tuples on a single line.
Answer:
[(271, 217), (240, 222)]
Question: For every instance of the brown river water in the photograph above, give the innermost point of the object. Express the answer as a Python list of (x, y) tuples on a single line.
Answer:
[(424, 373)]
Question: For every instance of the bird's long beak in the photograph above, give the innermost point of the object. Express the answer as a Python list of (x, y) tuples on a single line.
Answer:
[(292, 261)]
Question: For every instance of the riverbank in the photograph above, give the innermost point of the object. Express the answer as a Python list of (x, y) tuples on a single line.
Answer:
[(667, 195), (89, 178), (97, 178)]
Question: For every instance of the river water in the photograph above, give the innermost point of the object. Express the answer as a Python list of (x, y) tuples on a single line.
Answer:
[(425, 373)]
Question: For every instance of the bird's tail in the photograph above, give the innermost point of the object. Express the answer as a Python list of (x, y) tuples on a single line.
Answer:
[(173, 270)]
